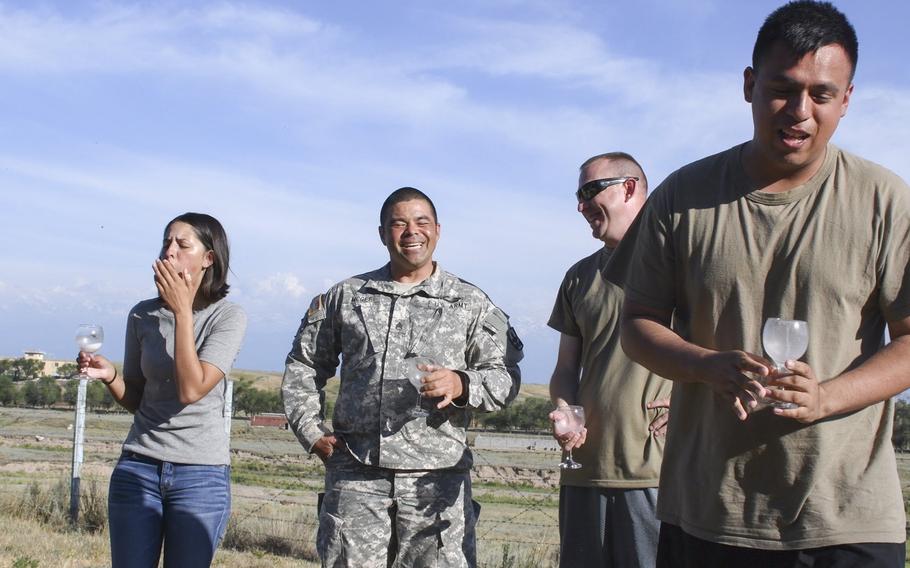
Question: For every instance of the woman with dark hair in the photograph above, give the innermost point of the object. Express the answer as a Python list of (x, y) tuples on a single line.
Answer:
[(172, 482)]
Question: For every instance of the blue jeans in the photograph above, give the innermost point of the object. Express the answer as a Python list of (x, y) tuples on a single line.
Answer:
[(185, 506)]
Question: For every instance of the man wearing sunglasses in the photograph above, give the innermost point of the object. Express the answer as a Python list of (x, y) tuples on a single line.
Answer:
[(607, 507)]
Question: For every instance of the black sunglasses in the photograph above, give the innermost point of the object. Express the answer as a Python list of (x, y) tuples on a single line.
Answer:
[(595, 186)]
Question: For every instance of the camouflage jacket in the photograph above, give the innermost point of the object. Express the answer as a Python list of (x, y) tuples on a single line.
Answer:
[(373, 325)]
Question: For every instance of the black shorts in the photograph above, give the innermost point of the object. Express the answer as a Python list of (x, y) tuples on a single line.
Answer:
[(677, 549)]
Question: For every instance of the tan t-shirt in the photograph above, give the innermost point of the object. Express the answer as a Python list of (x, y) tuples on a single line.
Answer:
[(619, 451), (833, 252)]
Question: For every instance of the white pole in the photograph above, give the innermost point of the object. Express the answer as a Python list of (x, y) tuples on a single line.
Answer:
[(78, 437), (228, 406)]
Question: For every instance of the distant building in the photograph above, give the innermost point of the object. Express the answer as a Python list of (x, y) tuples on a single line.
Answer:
[(51, 366), (505, 442), (271, 419)]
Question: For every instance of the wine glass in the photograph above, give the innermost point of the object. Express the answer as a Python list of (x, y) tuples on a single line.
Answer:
[(784, 340), (89, 337), (416, 371), (569, 418)]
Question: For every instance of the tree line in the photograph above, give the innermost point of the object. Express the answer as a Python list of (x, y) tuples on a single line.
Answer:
[(46, 391), (21, 384), (23, 369)]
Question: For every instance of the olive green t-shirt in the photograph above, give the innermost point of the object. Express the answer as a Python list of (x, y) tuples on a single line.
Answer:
[(619, 451), (725, 257)]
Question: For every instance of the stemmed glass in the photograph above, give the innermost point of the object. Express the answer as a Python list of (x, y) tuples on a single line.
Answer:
[(784, 340), (569, 418), (89, 337), (417, 369)]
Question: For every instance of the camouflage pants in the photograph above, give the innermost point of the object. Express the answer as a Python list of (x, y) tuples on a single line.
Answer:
[(376, 518)]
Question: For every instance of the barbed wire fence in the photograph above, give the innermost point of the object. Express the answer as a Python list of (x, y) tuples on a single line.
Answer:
[(518, 524), (276, 484)]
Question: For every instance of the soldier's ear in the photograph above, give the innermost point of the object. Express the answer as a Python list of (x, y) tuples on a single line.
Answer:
[(382, 235), (748, 83)]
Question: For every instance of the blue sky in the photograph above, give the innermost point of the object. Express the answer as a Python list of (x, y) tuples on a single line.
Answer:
[(292, 121)]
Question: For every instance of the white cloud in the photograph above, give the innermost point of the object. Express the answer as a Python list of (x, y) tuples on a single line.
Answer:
[(554, 51), (111, 37), (317, 74), (269, 23), (76, 296), (281, 285), (877, 126), (276, 52)]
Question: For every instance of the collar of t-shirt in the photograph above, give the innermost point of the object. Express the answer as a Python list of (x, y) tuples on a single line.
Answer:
[(798, 192)]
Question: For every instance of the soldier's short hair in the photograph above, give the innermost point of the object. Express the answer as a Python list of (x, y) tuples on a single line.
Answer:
[(629, 165), (403, 194), (805, 26)]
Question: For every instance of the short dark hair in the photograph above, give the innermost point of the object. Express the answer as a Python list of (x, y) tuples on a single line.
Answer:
[(805, 26), (634, 168), (403, 194), (211, 234)]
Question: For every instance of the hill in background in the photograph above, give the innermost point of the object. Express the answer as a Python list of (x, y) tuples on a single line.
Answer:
[(270, 381)]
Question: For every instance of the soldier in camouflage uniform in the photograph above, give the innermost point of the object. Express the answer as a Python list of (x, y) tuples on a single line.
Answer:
[(398, 487)]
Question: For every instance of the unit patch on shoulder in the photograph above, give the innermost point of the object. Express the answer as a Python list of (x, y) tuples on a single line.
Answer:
[(316, 310)]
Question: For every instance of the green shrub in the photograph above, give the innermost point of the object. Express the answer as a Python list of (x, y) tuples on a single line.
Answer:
[(273, 536), (25, 562), (50, 505), (539, 556)]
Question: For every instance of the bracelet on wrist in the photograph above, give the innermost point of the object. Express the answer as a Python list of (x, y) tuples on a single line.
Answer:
[(108, 383)]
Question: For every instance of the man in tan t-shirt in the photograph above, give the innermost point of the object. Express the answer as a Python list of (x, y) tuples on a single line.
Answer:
[(785, 225), (607, 507)]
